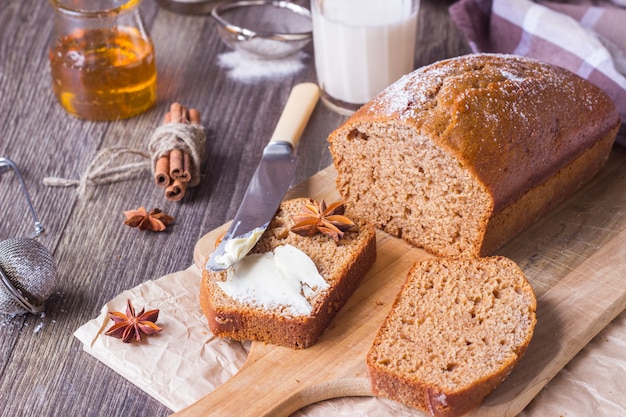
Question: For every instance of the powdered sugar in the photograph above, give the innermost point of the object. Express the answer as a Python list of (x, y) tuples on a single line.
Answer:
[(512, 77), (246, 67), (412, 92), (417, 92), (38, 327)]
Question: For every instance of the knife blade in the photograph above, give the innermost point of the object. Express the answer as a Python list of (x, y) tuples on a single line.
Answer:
[(270, 181)]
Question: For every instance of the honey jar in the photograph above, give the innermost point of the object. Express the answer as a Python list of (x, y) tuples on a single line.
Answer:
[(102, 60)]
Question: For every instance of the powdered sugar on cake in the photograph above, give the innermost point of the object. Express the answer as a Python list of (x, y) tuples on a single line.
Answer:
[(417, 92)]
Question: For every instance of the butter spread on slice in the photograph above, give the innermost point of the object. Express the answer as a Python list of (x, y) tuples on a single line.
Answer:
[(285, 279), (235, 249)]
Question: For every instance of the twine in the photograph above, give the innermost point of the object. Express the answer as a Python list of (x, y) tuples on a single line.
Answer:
[(187, 137), (102, 169)]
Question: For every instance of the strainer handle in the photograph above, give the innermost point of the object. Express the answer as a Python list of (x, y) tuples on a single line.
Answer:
[(298, 109), (6, 163)]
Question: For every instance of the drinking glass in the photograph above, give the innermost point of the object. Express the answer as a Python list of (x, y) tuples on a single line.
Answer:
[(361, 47)]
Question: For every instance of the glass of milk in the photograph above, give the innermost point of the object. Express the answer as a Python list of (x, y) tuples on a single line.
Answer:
[(361, 47)]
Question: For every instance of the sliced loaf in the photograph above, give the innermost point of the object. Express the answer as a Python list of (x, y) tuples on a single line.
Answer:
[(461, 155), (340, 263), (456, 330)]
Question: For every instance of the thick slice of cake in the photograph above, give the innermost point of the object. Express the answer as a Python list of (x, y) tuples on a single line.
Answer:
[(291, 285), (456, 330)]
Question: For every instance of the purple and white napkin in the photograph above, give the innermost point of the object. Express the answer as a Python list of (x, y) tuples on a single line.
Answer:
[(586, 37)]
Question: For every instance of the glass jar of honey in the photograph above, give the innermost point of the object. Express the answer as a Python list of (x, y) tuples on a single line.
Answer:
[(102, 60)]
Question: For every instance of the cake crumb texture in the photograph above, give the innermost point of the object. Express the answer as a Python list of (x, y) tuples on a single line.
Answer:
[(456, 330)]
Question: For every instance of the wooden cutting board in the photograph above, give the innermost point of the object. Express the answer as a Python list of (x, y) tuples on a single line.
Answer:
[(575, 258)]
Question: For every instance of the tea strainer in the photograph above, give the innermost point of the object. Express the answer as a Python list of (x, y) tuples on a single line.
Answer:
[(27, 272)]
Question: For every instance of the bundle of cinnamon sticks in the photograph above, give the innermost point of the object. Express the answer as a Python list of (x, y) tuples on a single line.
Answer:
[(173, 170)]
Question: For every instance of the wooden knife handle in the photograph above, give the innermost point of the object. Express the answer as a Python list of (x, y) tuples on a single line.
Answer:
[(296, 114)]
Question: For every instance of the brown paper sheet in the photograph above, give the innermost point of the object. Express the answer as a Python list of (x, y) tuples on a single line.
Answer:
[(185, 361)]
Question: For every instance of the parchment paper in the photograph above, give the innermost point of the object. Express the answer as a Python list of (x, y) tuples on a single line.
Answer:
[(185, 362)]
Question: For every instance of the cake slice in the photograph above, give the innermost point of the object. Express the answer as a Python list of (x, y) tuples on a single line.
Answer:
[(291, 285), (456, 330)]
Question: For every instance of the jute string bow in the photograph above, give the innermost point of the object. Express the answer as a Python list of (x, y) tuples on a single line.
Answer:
[(181, 133)]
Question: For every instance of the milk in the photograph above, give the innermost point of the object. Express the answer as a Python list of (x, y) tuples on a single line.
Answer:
[(361, 47)]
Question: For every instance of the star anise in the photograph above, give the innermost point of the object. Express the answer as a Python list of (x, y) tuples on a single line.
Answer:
[(155, 220), (130, 324), (317, 217)]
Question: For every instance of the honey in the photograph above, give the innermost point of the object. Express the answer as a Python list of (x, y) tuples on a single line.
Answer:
[(104, 74)]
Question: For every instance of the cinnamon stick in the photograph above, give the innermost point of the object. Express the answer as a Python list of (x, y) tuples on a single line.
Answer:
[(194, 116), (176, 190), (176, 110), (185, 174), (176, 163), (161, 171)]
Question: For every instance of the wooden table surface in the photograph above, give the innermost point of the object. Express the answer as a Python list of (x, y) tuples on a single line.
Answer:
[(43, 370)]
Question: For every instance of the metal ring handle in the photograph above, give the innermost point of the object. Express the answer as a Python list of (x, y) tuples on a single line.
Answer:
[(6, 163)]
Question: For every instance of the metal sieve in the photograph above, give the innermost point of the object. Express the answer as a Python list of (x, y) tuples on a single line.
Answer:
[(27, 272), (265, 28), (27, 276)]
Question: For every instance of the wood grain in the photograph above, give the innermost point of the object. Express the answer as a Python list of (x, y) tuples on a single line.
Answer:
[(572, 309), (43, 370)]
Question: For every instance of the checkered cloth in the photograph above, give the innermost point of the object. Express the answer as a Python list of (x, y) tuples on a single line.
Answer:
[(583, 36)]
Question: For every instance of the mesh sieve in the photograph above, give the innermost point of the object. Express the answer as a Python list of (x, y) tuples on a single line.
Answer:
[(29, 268), (266, 29), (27, 272)]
